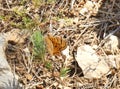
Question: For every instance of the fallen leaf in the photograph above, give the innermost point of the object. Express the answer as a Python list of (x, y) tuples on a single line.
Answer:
[(28, 76)]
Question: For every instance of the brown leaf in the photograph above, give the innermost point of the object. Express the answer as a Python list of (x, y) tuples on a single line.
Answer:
[(28, 76), (39, 87), (56, 74)]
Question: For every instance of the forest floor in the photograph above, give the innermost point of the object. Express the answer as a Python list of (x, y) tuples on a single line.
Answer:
[(83, 22)]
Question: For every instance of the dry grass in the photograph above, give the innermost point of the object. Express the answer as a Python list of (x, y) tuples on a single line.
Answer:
[(92, 30)]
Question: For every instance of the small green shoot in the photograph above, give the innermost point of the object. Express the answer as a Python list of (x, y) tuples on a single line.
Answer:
[(38, 3), (28, 23), (48, 65), (64, 71), (38, 44), (51, 1), (1, 17)]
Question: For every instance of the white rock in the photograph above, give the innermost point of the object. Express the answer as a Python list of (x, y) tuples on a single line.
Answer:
[(84, 11), (66, 52), (112, 43), (92, 65), (8, 80), (90, 8)]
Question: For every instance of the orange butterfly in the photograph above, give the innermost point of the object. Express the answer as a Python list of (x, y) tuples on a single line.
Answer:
[(55, 44)]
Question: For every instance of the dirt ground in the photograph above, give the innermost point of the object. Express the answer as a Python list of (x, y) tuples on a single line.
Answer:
[(86, 22)]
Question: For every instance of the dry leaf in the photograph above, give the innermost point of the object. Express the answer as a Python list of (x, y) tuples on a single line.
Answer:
[(56, 74), (39, 87), (55, 44), (28, 76)]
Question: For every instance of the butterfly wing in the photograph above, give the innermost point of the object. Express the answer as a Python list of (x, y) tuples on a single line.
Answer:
[(49, 45), (58, 44)]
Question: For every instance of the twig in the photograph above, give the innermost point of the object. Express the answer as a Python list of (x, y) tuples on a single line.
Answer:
[(4, 9), (77, 41), (7, 4), (117, 5), (33, 85), (103, 41), (111, 82), (106, 12), (113, 5), (72, 2)]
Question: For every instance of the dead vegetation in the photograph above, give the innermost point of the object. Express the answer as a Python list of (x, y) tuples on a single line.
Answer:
[(81, 22)]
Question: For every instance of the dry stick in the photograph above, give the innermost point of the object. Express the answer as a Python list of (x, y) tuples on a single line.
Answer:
[(50, 86), (110, 83), (90, 25), (61, 4), (42, 13), (77, 41), (4, 9), (113, 4), (66, 3), (117, 5), (7, 4), (33, 85), (35, 74), (103, 41), (106, 12), (72, 3), (50, 17)]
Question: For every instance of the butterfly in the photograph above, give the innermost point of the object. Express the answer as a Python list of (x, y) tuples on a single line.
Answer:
[(55, 44)]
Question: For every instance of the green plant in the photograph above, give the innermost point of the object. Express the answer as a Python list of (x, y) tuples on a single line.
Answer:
[(51, 1), (48, 65), (38, 44), (64, 71), (1, 17), (26, 22), (38, 3)]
